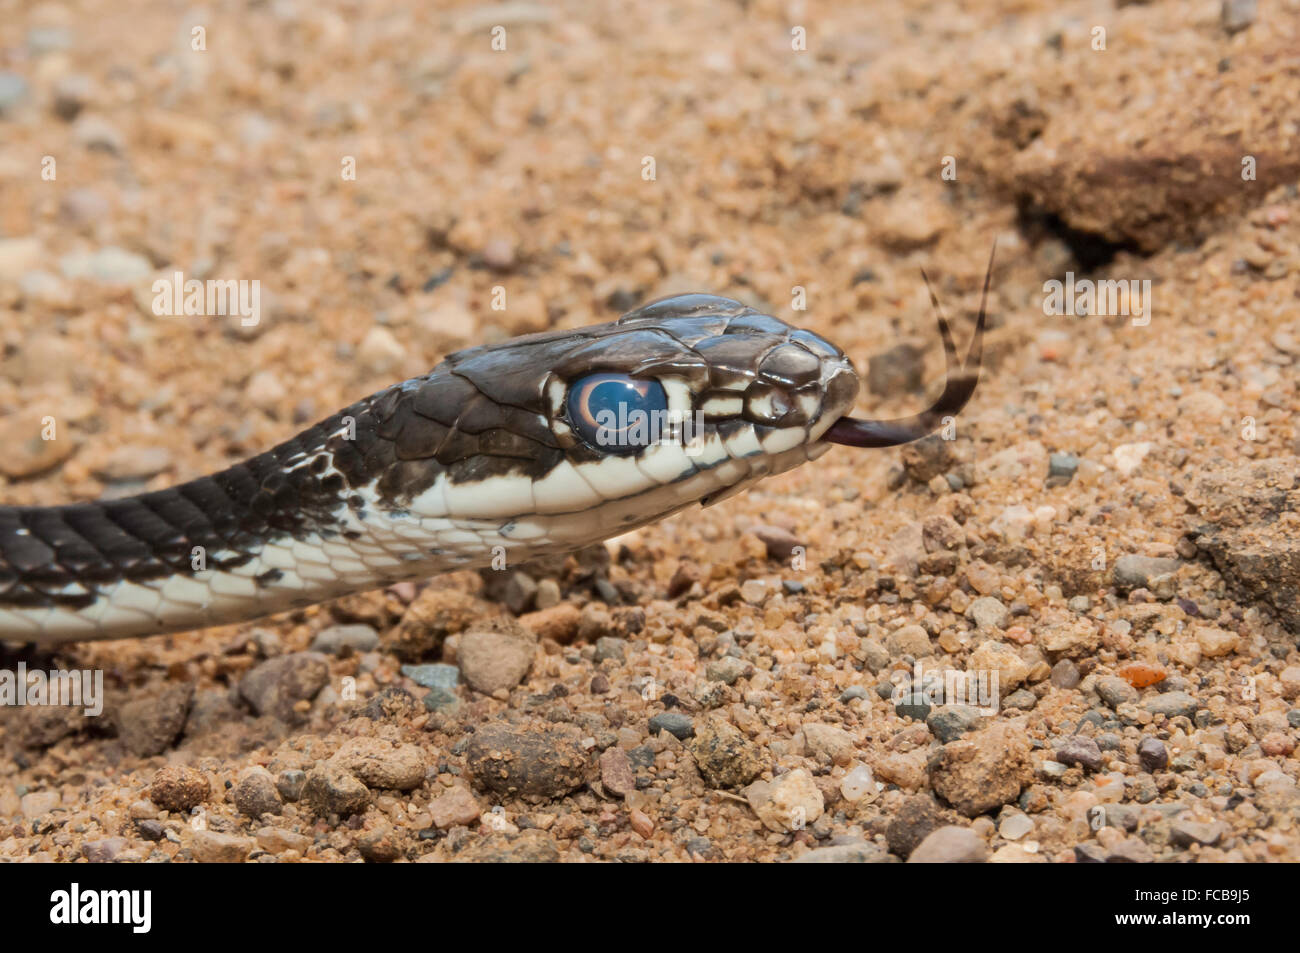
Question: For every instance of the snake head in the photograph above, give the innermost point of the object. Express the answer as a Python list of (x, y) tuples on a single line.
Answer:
[(552, 441)]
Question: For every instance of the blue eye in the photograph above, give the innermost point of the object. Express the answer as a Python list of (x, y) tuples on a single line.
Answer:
[(617, 413)]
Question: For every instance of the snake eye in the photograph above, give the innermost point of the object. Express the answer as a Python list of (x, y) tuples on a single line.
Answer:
[(615, 412)]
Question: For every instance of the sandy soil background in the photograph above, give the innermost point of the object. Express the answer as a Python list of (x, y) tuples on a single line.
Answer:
[(1112, 531)]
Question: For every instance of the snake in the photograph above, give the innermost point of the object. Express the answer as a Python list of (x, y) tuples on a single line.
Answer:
[(537, 445)]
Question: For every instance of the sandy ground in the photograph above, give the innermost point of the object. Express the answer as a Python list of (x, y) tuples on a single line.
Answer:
[(1111, 531)]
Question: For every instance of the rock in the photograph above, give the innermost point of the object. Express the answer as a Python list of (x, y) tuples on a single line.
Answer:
[(1015, 825), (1082, 751), (899, 370), (1136, 572), (72, 93), (437, 675), (381, 845), (499, 253), (276, 840), (675, 723), (214, 847), (1244, 508), (1237, 15), (1023, 699), (14, 92), (290, 783), (789, 803), (857, 784), (998, 657), (727, 670), (331, 789), (1065, 674), (1172, 704), (103, 851), (982, 771), (859, 853), (616, 775), (1129, 457), (178, 788), (434, 615), (929, 457), (536, 763), (456, 808), (380, 352), (1216, 642), (1116, 691), (39, 726), (1152, 754), (916, 818), (951, 845), (906, 769), (493, 661), (256, 793), (133, 463), (107, 266), (27, 452), (19, 257), (36, 804), (829, 741), (150, 829), (150, 723), (1185, 833), (558, 623), (526, 847), (781, 544), (381, 764), (1130, 850), (724, 756), (519, 593), (950, 722), (909, 640), (335, 639), (609, 647), (1142, 674), (1061, 468), (987, 613), (1076, 639), (275, 687)]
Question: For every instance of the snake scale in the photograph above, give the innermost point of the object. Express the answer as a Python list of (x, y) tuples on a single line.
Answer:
[(532, 446)]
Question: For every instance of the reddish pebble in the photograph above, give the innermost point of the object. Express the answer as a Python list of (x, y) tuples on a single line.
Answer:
[(1141, 674), (641, 823), (1020, 635)]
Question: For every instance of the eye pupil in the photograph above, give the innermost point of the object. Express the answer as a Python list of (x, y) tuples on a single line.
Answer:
[(613, 412)]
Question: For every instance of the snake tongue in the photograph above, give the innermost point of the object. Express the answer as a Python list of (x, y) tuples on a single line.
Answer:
[(960, 385)]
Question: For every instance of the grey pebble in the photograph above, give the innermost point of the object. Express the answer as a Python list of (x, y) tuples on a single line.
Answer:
[(435, 675), (950, 722), (1065, 674), (1172, 704), (1114, 691), (1081, 751), (13, 92), (1022, 699), (1136, 572), (1152, 754), (676, 724), (290, 783), (335, 639)]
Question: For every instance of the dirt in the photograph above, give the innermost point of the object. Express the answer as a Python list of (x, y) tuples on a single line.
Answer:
[(719, 686)]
